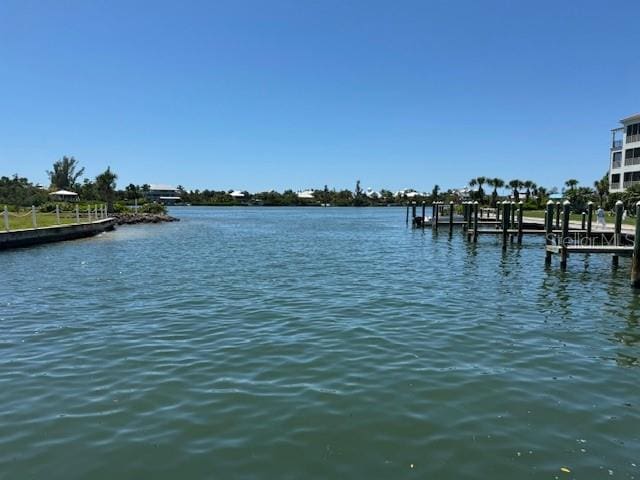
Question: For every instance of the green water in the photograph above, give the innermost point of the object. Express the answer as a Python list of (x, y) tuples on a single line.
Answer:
[(313, 343)]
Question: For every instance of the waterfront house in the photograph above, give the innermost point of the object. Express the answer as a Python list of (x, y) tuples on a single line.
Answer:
[(624, 161), (64, 196), (306, 195), (165, 194)]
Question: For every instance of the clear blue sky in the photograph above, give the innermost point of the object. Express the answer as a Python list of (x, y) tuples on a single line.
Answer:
[(258, 95)]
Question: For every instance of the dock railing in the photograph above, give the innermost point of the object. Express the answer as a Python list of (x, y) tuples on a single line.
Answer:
[(34, 218)]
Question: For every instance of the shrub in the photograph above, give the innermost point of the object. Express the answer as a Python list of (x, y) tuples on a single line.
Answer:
[(154, 208)]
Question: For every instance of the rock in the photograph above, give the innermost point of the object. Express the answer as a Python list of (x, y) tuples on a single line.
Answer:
[(135, 218)]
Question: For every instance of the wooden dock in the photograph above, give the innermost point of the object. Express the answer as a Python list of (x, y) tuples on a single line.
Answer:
[(562, 237)]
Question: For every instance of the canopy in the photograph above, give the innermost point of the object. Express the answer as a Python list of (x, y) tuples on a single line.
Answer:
[(64, 193)]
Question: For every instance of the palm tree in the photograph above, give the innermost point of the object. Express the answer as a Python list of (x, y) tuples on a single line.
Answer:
[(515, 186), (434, 193), (527, 184), (106, 186), (64, 174), (571, 183), (481, 181), (496, 183)]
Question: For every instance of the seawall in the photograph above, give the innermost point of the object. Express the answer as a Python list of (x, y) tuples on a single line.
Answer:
[(57, 233)]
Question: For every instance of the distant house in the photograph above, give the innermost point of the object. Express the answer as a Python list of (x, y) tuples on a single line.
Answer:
[(306, 195), (237, 194), (64, 196), (165, 194)]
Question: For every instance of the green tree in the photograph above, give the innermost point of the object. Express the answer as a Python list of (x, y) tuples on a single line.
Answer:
[(514, 185), (602, 187), (64, 174), (571, 184), (106, 187), (481, 181)]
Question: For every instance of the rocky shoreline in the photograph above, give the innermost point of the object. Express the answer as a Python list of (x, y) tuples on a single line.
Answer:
[(135, 218)]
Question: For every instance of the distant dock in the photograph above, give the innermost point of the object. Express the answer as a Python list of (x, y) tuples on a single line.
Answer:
[(562, 237)]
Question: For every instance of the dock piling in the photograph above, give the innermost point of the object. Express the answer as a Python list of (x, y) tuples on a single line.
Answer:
[(450, 218), (475, 221), (617, 236), (435, 225), (566, 213), (548, 226), (424, 206), (520, 214), (589, 219), (558, 208), (407, 219), (506, 206), (635, 260), (584, 220)]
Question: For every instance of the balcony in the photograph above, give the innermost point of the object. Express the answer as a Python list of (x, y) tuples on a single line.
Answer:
[(631, 161), (633, 138), (616, 145), (616, 164), (614, 186), (628, 183)]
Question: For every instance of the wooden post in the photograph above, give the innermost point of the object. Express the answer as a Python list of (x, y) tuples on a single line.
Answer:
[(589, 219), (505, 224), (497, 211), (617, 236), (635, 261), (406, 220), (437, 215), (77, 214), (584, 220), (475, 221), (424, 206), (413, 213), (558, 208), (566, 213), (6, 218), (58, 214), (433, 212), (513, 214), (451, 218), (33, 217), (520, 214), (548, 227)]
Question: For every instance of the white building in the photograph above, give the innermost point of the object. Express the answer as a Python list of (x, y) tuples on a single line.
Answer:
[(624, 163)]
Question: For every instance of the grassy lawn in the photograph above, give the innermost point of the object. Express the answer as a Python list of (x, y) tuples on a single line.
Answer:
[(575, 217), (42, 219)]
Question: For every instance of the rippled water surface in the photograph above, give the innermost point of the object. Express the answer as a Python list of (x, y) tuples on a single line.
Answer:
[(313, 343)]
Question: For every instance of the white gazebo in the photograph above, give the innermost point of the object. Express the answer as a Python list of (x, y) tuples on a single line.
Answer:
[(64, 196)]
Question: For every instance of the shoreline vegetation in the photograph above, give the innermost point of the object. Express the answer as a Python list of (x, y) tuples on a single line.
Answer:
[(19, 194)]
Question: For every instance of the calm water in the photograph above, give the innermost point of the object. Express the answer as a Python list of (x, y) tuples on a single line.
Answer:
[(313, 343)]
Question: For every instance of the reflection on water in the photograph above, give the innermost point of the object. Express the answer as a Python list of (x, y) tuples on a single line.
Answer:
[(315, 343)]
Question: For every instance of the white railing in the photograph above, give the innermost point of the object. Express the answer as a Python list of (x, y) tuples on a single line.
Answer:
[(629, 183), (633, 138), (41, 219), (614, 185), (616, 163)]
